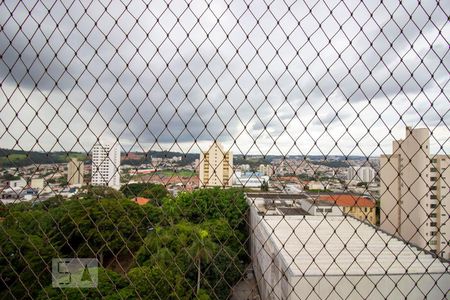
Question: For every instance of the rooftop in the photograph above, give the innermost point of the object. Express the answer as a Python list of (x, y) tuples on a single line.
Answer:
[(141, 200), (348, 200), (317, 245)]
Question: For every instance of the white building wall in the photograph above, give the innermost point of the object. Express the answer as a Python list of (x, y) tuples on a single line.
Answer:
[(106, 165), (442, 211), (390, 194), (414, 193), (320, 210), (412, 177), (364, 174), (19, 183)]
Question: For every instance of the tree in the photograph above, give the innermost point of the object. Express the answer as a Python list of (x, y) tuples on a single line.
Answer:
[(205, 256), (109, 284), (155, 192), (99, 192), (25, 263), (204, 204), (201, 250), (362, 184), (106, 227), (264, 186)]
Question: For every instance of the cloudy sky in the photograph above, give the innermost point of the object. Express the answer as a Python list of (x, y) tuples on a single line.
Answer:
[(281, 77)]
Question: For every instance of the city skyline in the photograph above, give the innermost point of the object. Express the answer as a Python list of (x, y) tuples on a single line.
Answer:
[(436, 146)]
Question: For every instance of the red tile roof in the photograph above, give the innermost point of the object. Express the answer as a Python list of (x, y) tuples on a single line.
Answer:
[(140, 200), (348, 200)]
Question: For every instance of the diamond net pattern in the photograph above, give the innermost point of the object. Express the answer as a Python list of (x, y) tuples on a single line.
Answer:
[(225, 149)]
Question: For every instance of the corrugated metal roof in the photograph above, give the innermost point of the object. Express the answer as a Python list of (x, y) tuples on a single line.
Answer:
[(317, 245)]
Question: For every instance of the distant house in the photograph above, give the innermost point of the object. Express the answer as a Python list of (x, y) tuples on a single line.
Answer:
[(316, 185), (359, 207), (18, 183), (140, 200)]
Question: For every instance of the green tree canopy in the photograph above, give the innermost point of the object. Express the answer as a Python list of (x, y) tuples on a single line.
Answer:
[(155, 192), (109, 284), (25, 263)]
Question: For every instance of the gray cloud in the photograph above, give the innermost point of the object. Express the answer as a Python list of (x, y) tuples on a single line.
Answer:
[(177, 74)]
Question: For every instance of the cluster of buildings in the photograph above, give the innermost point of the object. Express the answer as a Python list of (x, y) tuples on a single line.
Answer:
[(365, 174), (301, 250), (45, 183), (412, 188), (216, 170), (415, 193), (406, 193)]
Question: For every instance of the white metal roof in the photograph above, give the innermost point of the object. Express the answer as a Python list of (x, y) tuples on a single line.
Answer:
[(318, 245)]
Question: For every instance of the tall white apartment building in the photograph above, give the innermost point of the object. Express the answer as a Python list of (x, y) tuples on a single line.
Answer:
[(216, 167), (415, 193), (364, 173), (106, 165)]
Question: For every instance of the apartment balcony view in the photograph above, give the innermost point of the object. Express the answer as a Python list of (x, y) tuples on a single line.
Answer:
[(215, 149)]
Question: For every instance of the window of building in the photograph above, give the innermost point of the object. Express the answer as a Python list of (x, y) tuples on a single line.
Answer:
[(434, 224), (433, 205), (432, 215), (433, 170), (433, 233), (433, 197)]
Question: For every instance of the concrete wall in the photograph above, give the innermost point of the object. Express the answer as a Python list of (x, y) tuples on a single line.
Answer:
[(267, 265)]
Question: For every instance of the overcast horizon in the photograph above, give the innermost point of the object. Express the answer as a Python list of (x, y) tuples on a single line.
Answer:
[(285, 78)]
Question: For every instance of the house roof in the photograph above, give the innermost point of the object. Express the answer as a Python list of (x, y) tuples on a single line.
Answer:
[(141, 200), (348, 200)]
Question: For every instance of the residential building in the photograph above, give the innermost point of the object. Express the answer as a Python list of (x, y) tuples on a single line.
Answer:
[(249, 179), (106, 165), (17, 183), (75, 172), (216, 167), (319, 208), (244, 168), (266, 170), (414, 193), (317, 185), (363, 174), (359, 207), (337, 257), (37, 183)]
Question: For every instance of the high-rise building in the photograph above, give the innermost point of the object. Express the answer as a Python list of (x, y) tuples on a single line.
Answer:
[(364, 173), (216, 167), (266, 170), (106, 165), (414, 193), (75, 172)]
